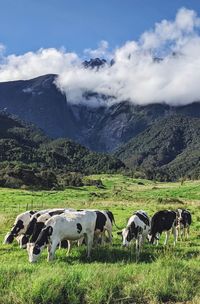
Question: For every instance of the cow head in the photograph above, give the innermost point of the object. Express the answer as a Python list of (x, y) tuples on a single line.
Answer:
[(34, 252), (152, 238), (15, 231), (128, 234), (8, 238)]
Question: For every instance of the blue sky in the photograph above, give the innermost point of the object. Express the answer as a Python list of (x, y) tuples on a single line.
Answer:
[(27, 25)]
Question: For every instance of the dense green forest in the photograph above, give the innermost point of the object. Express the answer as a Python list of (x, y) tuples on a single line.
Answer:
[(168, 150), (29, 158)]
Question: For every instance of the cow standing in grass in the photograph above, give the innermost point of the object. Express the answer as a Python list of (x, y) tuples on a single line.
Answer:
[(184, 220), (163, 221), (137, 229), (68, 226), (19, 228)]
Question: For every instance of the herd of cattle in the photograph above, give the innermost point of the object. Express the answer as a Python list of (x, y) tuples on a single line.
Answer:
[(55, 228)]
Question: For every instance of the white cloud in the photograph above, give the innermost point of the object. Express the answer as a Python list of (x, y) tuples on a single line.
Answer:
[(135, 75), (31, 64), (101, 51)]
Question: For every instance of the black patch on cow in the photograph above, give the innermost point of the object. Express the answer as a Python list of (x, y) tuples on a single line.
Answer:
[(44, 236), (24, 240), (18, 226), (30, 228), (32, 212), (37, 229), (162, 221), (143, 217), (132, 232), (79, 227), (110, 215), (36, 250), (100, 221), (56, 212)]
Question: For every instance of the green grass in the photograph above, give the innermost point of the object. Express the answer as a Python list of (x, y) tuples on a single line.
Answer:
[(162, 275)]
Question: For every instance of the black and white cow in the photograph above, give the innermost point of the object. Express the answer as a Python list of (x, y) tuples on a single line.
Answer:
[(104, 224), (40, 223), (137, 229), (163, 221), (32, 224), (184, 220), (20, 225), (67, 226)]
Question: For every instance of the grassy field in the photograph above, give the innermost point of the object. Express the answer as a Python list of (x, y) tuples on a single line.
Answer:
[(162, 275)]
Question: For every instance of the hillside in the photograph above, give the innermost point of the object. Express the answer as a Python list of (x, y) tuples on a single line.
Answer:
[(99, 128), (27, 155), (168, 150)]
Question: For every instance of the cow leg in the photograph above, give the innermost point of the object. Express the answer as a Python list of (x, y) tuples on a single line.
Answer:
[(188, 232), (178, 233), (51, 250), (109, 236), (138, 246), (157, 240), (175, 235), (68, 247), (89, 241), (167, 237), (184, 233), (80, 241), (103, 236)]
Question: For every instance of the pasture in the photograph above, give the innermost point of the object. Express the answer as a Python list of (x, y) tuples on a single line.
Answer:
[(162, 275)]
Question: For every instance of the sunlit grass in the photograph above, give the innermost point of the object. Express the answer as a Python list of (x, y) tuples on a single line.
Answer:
[(162, 275)]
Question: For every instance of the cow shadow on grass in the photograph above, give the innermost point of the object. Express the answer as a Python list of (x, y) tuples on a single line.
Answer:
[(114, 254), (188, 253)]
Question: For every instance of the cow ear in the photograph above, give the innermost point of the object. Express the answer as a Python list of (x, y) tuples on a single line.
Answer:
[(119, 232)]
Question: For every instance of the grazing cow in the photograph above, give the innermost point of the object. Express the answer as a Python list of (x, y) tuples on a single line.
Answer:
[(19, 227), (164, 220), (40, 223), (137, 229), (32, 224), (184, 220), (67, 226)]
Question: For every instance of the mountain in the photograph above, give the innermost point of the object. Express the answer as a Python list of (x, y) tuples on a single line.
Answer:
[(168, 150), (99, 128), (26, 153)]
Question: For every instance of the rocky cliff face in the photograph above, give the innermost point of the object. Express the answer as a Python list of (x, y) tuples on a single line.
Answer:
[(99, 128)]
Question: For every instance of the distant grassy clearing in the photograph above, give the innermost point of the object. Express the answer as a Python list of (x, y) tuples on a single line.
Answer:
[(163, 275)]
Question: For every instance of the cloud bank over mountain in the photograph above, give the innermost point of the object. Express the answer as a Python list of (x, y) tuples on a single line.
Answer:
[(138, 74)]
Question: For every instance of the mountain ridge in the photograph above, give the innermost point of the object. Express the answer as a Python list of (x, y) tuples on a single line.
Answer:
[(101, 129)]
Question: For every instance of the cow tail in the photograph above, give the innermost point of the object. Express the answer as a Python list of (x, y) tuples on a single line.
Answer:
[(112, 219)]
